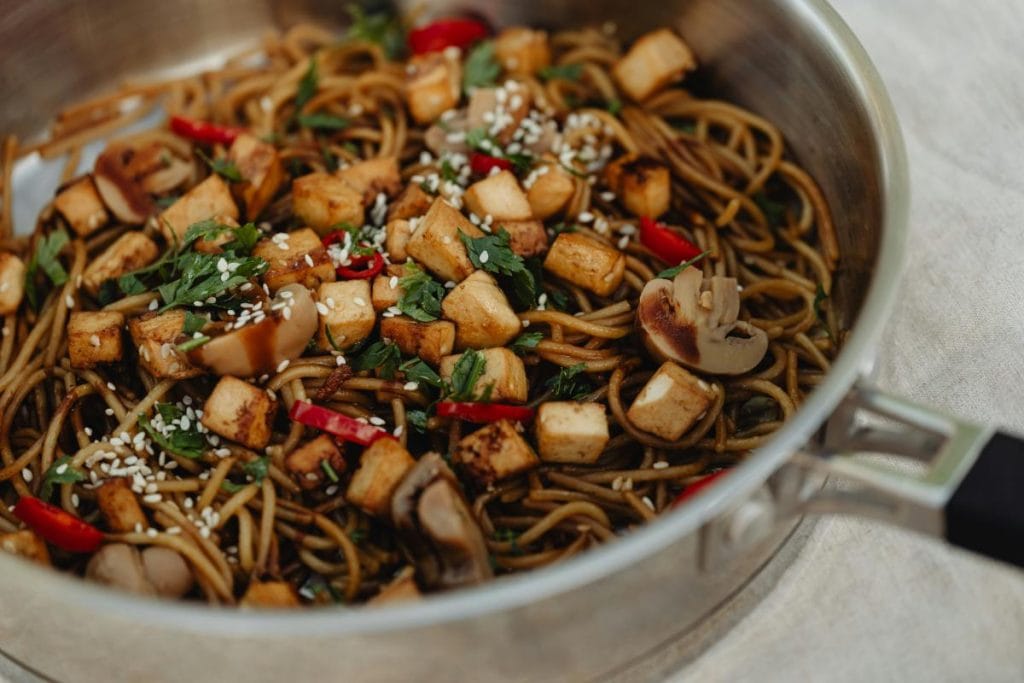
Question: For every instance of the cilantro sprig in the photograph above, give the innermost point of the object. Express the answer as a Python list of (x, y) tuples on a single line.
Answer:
[(47, 259), (60, 472), (416, 370), (526, 342), (565, 72), (381, 28), (380, 355), (467, 371), (494, 254), (670, 273), (570, 382), (481, 68), (421, 294), (187, 442), (225, 168)]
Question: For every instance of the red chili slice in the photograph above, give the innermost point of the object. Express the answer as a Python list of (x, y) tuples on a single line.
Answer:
[(668, 245), (341, 426), (375, 260), (58, 527), (438, 35), (696, 487), (481, 164), (203, 131), (483, 412)]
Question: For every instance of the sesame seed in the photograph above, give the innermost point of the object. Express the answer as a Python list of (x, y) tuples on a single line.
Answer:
[(660, 465), (309, 260), (484, 256), (94, 340), (648, 502), (359, 301), (69, 301), (339, 360), (393, 282), (154, 304), (411, 386), (151, 532), (376, 421), (608, 196), (26, 474), (109, 411), (74, 500), (283, 365), (321, 308), (61, 469), (111, 386)]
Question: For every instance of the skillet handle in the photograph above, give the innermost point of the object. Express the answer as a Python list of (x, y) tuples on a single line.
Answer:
[(985, 513)]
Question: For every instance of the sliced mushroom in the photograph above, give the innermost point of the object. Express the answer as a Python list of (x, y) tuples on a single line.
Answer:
[(167, 572), (693, 321), (118, 187), (437, 526), (119, 565), (259, 348)]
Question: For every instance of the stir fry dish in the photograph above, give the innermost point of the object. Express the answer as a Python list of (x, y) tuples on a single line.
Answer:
[(359, 317)]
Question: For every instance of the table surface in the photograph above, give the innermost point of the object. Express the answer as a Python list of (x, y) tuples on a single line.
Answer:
[(863, 602)]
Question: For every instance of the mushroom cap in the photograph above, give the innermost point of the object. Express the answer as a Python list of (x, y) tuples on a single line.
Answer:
[(693, 321), (260, 348), (119, 565), (118, 188), (167, 572)]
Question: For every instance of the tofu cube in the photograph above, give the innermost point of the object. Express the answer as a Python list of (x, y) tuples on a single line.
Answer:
[(571, 432), (500, 197), (298, 256), (430, 341), (402, 587), (412, 202), (549, 189), (94, 337), (373, 176), (654, 61), (81, 206), (305, 463), (350, 316), (382, 466), (25, 544), (433, 84), (522, 50), (212, 244), (386, 291), (499, 110), (129, 252), (12, 282), (119, 506), (435, 243), (397, 233), (270, 594), (260, 165), (671, 402), (240, 412), (642, 184), (155, 335), (503, 371), (495, 452), (587, 263), (526, 238), (210, 198), (481, 313), (322, 201)]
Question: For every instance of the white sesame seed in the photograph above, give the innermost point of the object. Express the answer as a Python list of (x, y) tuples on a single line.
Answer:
[(26, 474), (282, 365), (109, 411), (411, 386), (111, 386), (321, 308), (359, 301), (484, 256), (62, 468), (309, 260), (660, 465), (393, 282), (376, 421), (648, 502), (69, 301), (74, 500), (151, 532), (94, 340)]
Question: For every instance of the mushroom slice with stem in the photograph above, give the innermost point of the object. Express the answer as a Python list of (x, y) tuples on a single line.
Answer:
[(437, 526), (120, 565), (693, 321), (118, 187), (258, 348)]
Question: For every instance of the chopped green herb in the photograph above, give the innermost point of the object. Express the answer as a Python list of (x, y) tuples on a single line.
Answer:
[(468, 369), (308, 85), (257, 469), (167, 432), (510, 536), (47, 259), (774, 212), (60, 472), (330, 158), (223, 167), (166, 202), (570, 382), (559, 228), (614, 107), (322, 121), (357, 535), (565, 72), (421, 294), (202, 280), (194, 323), (493, 254), (820, 298), (447, 172), (526, 342), (475, 138), (480, 69), (193, 343), (329, 471), (417, 371), (330, 339), (670, 273), (558, 299), (384, 29), (380, 355), (521, 161), (417, 419)]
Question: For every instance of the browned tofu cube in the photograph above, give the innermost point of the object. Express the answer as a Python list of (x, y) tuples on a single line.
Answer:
[(481, 313), (430, 341), (305, 463), (155, 335), (402, 587), (382, 466), (643, 185), (346, 314), (526, 238), (522, 50), (210, 198), (260, 165), (433, 84), (495, 452), (548, 189), (270, 594), (240, 412), (297, 256), (373, 176), (671, 402), (412, 202), (322, 201), (435, 243), (504, 372), (397, 234), (119, 506), (94, 337), (498, 110), (500, 197), (81, 206), (654, 61), (586, 263), (572, 432), (12, 282), (129, 252), (25, 544), (386, 289)]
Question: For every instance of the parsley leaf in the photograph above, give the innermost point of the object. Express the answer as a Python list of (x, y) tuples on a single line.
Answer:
[(417, 419), (47, 259), (468, 369), (559, 228), (569, 383), (257, 469), (382, 28), (166, 431), (614, 107), (308, 85), (475, 138), (380, 355), (421, 294), (480, 69), (493, 254), (60, 472), (329, 471), (447, 171), (194, 323), (322, 121), (774, 212), (417, 371), (225, 168), (670, 273), (202, 280), (820, 297), (193, 343), (526, 342), (565, 72)]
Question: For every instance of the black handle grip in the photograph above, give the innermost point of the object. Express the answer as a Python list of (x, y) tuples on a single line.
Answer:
[(986, 512)]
